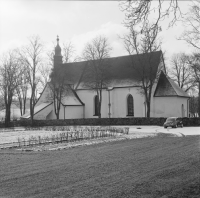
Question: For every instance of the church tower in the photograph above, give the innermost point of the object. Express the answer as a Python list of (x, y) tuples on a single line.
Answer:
[(58, 55)]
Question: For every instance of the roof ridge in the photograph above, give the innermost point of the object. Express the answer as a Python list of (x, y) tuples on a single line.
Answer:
[(128, 55)]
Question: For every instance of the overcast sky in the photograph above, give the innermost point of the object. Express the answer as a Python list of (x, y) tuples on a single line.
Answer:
[(76, 21)]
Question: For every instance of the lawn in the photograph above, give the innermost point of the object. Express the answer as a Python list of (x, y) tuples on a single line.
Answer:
[(146, 167)]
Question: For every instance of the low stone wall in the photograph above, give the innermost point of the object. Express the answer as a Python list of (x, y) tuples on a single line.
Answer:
[(102, 122)]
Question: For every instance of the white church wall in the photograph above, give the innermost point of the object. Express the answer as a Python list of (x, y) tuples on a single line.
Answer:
[(67, 112), (118, 101), (104, 106), (169, 107), (71, 112), (41, 115), (87, 97)]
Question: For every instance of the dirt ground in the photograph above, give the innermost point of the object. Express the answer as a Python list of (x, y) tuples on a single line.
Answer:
[(145, 167)]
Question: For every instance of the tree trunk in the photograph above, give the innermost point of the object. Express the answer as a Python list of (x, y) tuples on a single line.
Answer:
[(24, 105), (199, 100), (7, 116), (31, 110), (148, 109), (99, 103), (56, 108), (57, 115), (20, 106)]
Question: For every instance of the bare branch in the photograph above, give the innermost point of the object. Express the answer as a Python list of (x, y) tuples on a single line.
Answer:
[(191, 33), (31, 57), (138, 12), (143, 42), (96, 78), (9, 74), (181, 72)]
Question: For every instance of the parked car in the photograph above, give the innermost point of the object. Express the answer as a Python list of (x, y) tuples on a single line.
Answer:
[(173, 122)]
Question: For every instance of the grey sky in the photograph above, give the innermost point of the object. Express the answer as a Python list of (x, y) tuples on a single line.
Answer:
[(78, 21)]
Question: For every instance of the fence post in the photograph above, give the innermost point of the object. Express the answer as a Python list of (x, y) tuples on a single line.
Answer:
[(78, 135), (39, 140)]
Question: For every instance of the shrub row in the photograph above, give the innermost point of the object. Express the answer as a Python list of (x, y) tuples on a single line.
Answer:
[(102, 121)]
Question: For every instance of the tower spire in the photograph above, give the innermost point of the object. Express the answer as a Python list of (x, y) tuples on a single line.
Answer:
[(57, 40), (58, 55)]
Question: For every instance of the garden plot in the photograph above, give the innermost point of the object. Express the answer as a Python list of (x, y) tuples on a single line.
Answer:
[(55, 135), (56, 138), (8, 137)]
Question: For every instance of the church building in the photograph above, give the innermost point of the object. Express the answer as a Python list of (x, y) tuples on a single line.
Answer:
[(121, 95)]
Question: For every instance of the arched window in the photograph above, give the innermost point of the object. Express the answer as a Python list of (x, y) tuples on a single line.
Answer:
[(182, 110), (96, 105), (130, 105)]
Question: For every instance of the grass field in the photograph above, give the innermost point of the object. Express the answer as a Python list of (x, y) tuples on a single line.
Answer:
[(147, 167)]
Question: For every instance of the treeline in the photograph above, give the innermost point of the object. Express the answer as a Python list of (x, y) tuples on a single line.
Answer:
[(25, 71)]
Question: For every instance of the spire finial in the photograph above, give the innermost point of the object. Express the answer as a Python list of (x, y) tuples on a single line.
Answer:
[(57, 39)]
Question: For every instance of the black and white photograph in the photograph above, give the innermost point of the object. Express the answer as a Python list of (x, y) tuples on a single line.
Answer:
[(99, 99)]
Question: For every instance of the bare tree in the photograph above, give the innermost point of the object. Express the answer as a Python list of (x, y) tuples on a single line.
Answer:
[(193, 106), (44, 70), (9, 72), (22, 88), (59, 83), (68, 51), (139, 12), (144, 43), (59, 86), (68, 57), (31, 56), (194, 63), (96, 73), (181, 72), (50, 58), (191, 33)]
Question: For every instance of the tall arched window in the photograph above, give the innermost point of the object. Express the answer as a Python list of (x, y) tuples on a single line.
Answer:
[(130, 105), (96, 105), (182, 110)]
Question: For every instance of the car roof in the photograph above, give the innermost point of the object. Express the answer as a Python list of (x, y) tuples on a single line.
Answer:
[(172, 117)]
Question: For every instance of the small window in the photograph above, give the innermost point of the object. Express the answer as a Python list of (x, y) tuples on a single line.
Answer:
[(96, 105), (130, 105)]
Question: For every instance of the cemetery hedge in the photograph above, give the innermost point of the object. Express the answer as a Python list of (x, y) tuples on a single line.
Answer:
[(102, 122)]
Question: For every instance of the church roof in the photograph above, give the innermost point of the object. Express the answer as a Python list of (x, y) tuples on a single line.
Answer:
[(119, 70), (167, 87), (71, 99), (37, 109)]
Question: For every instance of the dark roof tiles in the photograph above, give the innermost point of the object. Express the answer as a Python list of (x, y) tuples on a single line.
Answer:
[(167, 87), (124, 69)]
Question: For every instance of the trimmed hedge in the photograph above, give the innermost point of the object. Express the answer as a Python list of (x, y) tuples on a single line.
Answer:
[(102, 121)]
